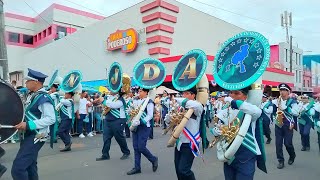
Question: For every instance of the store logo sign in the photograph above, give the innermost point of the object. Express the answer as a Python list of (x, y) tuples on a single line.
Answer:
[(126, 40)]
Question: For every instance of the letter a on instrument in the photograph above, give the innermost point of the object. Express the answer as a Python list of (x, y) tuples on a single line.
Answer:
[(190, 69)]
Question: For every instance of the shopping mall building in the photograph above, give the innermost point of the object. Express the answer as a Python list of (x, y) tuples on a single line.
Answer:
[(64, 38)]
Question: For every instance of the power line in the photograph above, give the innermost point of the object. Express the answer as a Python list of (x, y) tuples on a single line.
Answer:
[(252, 18), (124, 22)]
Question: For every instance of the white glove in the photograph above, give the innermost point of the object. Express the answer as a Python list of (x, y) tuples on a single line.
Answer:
[(318, 123), (216, 131), (228, 99), (135, 123)]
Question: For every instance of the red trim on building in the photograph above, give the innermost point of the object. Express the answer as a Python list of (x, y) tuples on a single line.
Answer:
[(159, 15), (169, 77), (159, 50), (78, 12), (169, 6), (275, 83), (160, 27), (19, 17), (159, 3), (54, 6), (159, 38), (170, 59), (210, 58), (177, 58), (149, 6), (279, 71)]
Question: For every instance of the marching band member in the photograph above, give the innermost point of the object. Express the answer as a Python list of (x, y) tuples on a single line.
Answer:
[(40, 115), (242, 166), (305, 121), (54, 93), (267, 109), (208, 111), (317, 121), (129, 100), (165, 103), (188, 143), (66, 109), (113, 126), (140, 136), (218, 104), (284, 130)]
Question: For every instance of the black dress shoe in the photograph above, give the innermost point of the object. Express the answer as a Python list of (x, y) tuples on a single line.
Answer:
[(134, 171), (291, 160), (280, 165), (268, 141), (125, 156), (307, 148), (155, 165), (3, 169), (66, 148), (303, 149), (102, 158)]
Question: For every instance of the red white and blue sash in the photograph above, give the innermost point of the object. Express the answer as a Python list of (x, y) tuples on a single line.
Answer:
[(194, 141)]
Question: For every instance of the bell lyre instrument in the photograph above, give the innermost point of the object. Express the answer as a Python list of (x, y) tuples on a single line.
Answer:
[(115, 77), (238, 64), (190, 72), (72, 83), (149, 73)]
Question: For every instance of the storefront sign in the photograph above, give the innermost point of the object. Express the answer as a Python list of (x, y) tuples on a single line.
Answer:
[(278, 65), (126, 40)]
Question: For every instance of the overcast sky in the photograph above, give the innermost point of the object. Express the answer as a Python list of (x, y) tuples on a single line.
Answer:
[(255, 15)]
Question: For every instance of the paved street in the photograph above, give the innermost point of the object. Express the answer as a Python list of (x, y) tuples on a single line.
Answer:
[(80, 164)]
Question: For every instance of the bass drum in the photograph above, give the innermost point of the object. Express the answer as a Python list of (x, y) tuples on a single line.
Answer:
[(11, 110)]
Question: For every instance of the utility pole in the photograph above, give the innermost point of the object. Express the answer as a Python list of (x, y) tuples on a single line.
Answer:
[(286, 22), (291, 52), (3, 48)]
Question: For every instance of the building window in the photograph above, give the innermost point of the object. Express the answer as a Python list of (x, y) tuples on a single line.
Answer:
[(14, 37), (297, 76), (61, 32), (300, 76), (39, 36), (44, 33), (27, 39), (297, 59), (35, 38), (50, 30)]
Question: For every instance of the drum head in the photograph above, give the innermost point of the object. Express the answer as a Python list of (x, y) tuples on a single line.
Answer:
[(11, 110)]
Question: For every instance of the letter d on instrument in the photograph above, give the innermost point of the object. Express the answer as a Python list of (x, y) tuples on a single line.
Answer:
[(147, 69)]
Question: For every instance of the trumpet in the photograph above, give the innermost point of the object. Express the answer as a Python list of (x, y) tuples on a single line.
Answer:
[(175, 116)]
